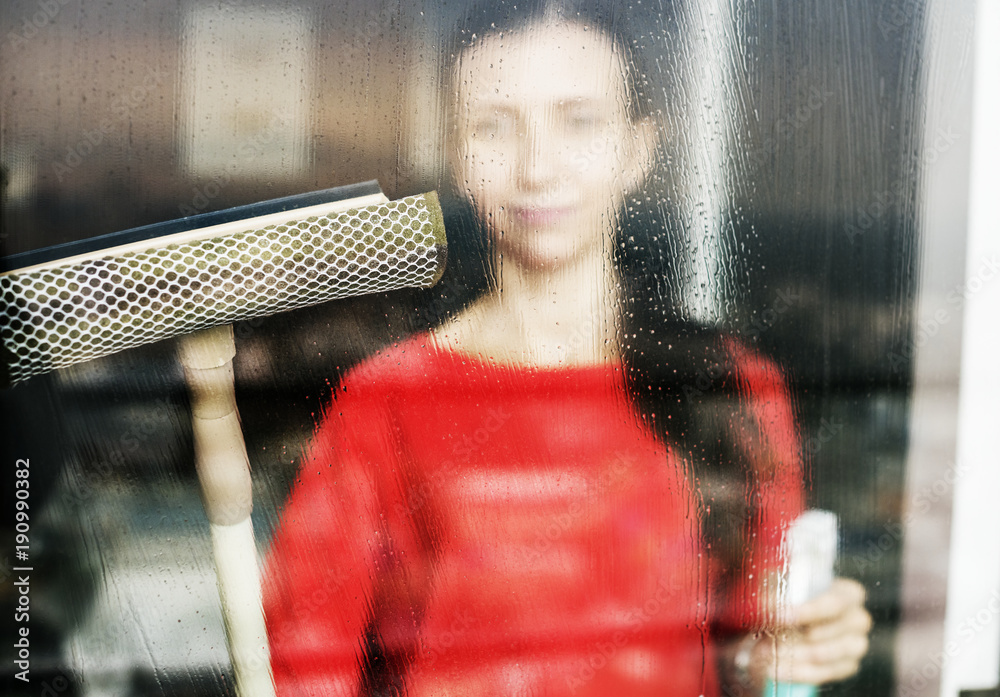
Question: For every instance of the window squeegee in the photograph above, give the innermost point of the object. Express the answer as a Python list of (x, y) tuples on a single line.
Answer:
[(191, 278)]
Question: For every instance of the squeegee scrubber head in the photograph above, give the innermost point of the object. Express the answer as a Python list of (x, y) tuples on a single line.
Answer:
[(62, 315)]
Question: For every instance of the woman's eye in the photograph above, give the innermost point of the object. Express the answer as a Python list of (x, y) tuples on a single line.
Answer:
[(484, 130), (493, 127), (582, 124)]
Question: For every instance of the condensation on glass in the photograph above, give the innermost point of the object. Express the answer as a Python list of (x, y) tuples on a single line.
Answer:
[(684, 245)]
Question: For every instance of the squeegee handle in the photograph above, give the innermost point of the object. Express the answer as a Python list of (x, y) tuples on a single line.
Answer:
[(224, 474)]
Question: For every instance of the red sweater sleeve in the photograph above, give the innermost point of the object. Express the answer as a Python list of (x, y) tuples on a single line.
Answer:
[(319, 588)]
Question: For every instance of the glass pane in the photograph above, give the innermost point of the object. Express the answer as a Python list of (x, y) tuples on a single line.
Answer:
[(680, 308)]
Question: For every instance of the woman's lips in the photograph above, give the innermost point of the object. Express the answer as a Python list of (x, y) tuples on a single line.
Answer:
[(539, 215)]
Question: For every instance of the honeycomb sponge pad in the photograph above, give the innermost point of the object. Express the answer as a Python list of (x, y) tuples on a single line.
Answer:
[(55, 315)]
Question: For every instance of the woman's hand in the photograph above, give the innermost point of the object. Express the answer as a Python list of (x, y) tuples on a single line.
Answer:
[(820, 641)]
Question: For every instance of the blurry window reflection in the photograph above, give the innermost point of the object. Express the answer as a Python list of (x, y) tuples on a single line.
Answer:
[(679, 310)]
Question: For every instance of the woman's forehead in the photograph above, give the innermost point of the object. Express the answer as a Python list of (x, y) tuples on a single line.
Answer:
[(542, 64)]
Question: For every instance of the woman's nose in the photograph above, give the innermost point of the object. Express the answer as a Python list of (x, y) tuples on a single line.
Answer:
[(537, 166)]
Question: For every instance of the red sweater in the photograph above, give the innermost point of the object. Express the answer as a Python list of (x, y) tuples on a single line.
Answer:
[(504, 530)]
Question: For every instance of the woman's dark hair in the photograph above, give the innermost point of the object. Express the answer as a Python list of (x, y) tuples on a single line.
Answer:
[(484, 19)]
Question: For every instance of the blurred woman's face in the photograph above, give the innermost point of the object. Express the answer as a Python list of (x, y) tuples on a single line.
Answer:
[(546, 149)]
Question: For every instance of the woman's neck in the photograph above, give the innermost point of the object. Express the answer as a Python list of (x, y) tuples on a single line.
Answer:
[(563, 315)]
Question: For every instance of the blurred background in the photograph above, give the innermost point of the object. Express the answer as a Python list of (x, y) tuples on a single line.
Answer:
[(812, 131)]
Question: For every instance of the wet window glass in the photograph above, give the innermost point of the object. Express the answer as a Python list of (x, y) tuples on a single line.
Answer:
[(638, 400)]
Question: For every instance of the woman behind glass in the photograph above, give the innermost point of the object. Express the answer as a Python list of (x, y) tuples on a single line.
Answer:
[(502, 505)]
